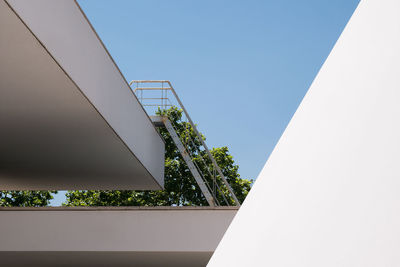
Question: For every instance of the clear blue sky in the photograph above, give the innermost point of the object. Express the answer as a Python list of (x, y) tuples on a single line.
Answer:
[(241, 68)]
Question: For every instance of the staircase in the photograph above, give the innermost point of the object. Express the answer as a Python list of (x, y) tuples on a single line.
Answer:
[(161, 96)]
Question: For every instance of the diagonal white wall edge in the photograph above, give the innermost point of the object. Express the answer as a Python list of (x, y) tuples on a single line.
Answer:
[(329, 193)]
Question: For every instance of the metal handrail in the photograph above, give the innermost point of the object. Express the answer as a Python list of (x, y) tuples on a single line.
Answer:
[(171, 88)]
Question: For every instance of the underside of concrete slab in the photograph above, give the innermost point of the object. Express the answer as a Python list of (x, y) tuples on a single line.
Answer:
[(68, 118)]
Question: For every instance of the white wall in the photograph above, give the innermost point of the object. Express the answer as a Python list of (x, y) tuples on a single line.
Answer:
[(330, 193)]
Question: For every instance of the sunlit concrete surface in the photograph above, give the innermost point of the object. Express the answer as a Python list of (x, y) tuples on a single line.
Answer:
[(329, 193), (111, 236), (68, 118)]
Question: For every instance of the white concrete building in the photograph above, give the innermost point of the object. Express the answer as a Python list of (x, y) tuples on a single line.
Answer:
[(329, 193), (69, 120)]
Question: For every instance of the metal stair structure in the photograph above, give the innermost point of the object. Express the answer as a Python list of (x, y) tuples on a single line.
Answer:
[(210, 189)]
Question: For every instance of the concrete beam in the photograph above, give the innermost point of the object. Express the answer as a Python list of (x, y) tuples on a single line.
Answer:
[(131, 236), (68, 118)]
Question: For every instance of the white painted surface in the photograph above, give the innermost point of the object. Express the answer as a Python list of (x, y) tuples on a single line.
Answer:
[(329, 194), (68, 119)]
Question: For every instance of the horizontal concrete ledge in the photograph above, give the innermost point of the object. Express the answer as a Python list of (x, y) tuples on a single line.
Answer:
[(112, 236), (113, 208), (90, 258), (127, 236)]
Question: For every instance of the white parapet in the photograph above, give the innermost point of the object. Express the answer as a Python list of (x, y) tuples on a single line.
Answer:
[(68, 118), (111, 236), (329, 193)]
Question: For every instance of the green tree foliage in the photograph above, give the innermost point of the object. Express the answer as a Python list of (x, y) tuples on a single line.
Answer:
[(25, 198), (180, 187)]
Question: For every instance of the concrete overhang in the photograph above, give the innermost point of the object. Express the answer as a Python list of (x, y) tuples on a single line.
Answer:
[(68, 118), (111, 236)]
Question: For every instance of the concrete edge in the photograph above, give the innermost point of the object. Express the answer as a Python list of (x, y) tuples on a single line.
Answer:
[(122, 208)]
